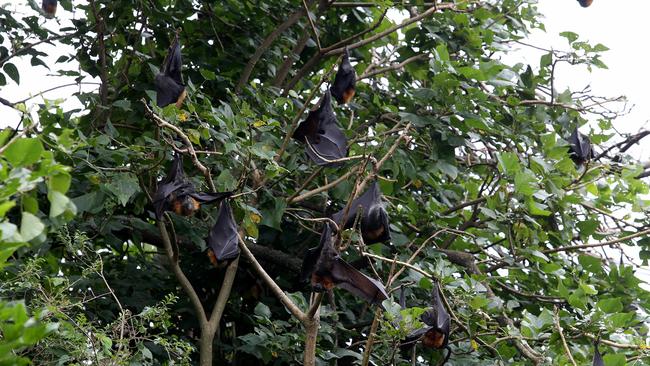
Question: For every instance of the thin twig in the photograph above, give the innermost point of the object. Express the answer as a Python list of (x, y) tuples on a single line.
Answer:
[(564, 344)]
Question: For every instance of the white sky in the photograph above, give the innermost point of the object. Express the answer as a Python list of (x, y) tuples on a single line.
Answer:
[(621, 26)]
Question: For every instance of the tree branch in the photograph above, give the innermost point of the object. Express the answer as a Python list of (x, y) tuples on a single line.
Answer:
[(248, 69), (190, 148), (564, 344), (277, 291), (393, 67), (180, 276), (596, 245)]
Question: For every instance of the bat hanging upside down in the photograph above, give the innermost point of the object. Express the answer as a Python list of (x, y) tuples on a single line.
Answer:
[(169, 82), (49, 7), (175, 193), (375, 227), (325, 268)]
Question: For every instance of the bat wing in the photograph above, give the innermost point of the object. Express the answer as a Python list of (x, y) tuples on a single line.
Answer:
[(412, 338), (161, 196), (585, 147), (331, 146), (580, 147), (313, 255), (210, 197), (308, 127), (352, 280), (168, 90), (598, 359), (223, 237), (364, 201), (437, 316), (175, 62)]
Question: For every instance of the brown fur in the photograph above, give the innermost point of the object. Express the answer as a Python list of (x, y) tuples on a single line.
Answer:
[(433, 339), (348, 95), (325, 281), (375, 233), (181, 99), (50, 9)]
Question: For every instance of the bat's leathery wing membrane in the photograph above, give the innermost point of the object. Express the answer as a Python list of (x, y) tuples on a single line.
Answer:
[(223, 238)]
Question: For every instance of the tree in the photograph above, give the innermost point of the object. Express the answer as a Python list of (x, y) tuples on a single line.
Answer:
[(470, 153)]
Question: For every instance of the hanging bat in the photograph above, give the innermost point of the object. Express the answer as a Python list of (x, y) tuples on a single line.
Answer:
[(375, 227), (49, 7), (325, 268), (598, 359), (320, 132), (169, 82), (579, 147), (175, 193), (345, 80), (223, 238), (437, 320), (585, 3)]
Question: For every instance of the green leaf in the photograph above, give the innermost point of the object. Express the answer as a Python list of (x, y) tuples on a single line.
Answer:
[(59, 203), (60, 182), (508, 163), (123, 104), (6, 251), (207, 74), (225, 181), (24, 151), (124, 186), (30, 226), (591, 263), (12, 71), (570, 36), (273, 217), (6, 206), (262, 310), (610, 306)]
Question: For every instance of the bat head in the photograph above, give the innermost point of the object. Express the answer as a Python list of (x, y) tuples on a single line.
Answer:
[(223, 238), (585, 3), (433, 338), (343, 88), (49, 7), (177, 194), (598, 359), (184, 205)]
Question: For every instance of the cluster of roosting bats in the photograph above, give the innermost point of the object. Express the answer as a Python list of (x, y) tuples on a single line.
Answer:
[(326, 145)]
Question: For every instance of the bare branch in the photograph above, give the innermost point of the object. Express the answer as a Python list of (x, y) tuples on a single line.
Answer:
[(277, 291)]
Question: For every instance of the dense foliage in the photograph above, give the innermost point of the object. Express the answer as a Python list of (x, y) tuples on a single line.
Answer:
[(470, 153)]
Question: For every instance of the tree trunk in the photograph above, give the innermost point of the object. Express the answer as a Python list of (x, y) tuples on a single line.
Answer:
[(311, 337), (205, 346)]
